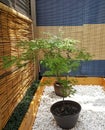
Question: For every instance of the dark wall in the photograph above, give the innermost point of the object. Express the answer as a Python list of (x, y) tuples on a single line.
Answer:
[(94, 12), (70, 12), (59, 12), (93, 68)]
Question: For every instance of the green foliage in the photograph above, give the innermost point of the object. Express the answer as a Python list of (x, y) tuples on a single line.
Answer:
[(20, 111), (29, 51), (61, 55), (54, 48)]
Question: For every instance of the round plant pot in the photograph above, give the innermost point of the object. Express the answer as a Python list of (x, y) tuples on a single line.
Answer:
[(66, 113), (58, 88)]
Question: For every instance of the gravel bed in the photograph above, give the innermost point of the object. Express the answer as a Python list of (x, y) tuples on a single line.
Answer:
[(92, 115)]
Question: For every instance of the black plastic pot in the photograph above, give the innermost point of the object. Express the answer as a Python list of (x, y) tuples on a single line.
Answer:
[(66, 121)]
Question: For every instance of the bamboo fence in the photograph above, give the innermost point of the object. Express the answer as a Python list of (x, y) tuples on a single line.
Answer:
[(13, 81)]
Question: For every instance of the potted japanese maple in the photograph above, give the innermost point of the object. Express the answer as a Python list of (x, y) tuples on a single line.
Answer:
[(60, 57), (63, 55)]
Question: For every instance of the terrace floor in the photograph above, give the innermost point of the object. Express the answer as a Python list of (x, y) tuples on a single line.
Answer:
[(92, 115), (90, 95)]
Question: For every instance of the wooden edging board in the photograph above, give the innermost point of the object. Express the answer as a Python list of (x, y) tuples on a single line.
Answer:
[(30, 116), (32, 111)]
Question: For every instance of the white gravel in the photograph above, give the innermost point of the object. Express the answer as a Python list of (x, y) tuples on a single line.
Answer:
[(92, 115)]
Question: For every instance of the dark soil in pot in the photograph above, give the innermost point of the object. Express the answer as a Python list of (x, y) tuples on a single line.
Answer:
[(66, 113)]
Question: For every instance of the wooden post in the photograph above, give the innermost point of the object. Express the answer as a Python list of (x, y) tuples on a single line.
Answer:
[(33, 16)]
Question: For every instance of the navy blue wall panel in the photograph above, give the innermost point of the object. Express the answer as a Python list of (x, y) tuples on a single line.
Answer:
[(91, 68), (70, 12), (94, 11), (59, 12), (94, 68)]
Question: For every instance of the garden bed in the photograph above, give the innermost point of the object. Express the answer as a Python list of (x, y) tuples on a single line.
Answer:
[(92, 100), (20, 111)]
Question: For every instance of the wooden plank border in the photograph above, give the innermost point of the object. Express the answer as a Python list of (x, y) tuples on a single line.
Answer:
[(103, 83), (30, 116)]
